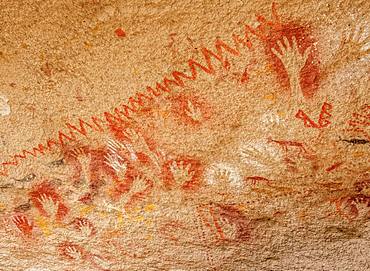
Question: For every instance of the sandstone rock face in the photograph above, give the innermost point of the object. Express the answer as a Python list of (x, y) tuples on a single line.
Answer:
[(184, 135)]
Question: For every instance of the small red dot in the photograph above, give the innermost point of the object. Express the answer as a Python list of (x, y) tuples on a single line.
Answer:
[(120, 32), (245, 76)]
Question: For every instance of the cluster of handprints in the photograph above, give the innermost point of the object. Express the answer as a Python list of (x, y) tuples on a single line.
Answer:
[(111, 183)]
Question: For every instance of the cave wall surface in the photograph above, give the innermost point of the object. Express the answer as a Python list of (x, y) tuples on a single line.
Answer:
[(184, 135)]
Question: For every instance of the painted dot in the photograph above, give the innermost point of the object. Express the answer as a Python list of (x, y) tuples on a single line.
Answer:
[(120, 33)]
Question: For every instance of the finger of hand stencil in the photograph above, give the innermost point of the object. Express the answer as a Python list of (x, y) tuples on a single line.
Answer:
[(294, 46), (107, 160), (286, 42), (281, 47), (130, 133), (16, 220), (79, 151), (276, 53), (41, 199)]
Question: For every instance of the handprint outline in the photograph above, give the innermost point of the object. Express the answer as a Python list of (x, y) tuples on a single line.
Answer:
[(49, 205), (293, 62), (22, 223), (181, 172), (193, 112)]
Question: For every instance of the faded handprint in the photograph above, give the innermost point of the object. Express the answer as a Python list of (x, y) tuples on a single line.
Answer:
[(224, 175), (86, 229), (353, 46), (84, 158), (137, 140), (354, 201), (49, 205), (116, 162), (293, 62), (193, 112), (107, 206), (116, 147), (224, 222), (140, 145), (100, 262), (359, 123), (353, 207), (139, 185), (362, 118), (262, 157), (77, 191), (181, 173), (73, 253), (23, 224), (161, 157), (60, 233), (229, 230)]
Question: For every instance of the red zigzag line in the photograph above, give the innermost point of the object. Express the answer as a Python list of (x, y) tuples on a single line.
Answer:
[(136, 102)]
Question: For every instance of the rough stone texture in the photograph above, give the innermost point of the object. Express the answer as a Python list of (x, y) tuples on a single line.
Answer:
[(257, 160)]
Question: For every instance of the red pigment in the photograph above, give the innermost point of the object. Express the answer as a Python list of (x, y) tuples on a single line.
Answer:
[(269, 32), (120, 33), (195, 166), (46, 189)]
